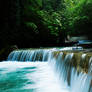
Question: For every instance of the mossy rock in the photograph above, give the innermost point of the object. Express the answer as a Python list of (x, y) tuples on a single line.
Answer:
[(79, 63)]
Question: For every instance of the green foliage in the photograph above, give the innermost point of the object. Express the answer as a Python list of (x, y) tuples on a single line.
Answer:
[(59, 18), (44, 21), (78, 16)]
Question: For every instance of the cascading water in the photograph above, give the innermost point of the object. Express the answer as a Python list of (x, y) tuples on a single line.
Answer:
[(39, 70), (29, 55), (77, 82)]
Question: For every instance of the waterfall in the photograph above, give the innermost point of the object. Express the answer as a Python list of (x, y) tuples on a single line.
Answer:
[(67, 77), (36, 54), (30, 55), (77, 81)]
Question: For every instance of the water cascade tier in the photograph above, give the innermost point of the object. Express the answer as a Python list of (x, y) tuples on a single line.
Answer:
[(47, 70)]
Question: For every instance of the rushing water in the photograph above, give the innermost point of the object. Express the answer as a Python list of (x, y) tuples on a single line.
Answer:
[(39, 71)]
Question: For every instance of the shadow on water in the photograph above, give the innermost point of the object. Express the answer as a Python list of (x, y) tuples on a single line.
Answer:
[(15, 81)]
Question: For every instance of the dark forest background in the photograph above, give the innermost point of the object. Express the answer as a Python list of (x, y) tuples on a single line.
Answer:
[(39, 23)]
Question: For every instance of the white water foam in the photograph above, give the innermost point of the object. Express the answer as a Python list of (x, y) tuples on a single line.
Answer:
[(44, 77), (51, 74)]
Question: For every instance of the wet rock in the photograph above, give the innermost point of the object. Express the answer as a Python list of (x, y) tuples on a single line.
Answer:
[(80, 59), (4, 52)]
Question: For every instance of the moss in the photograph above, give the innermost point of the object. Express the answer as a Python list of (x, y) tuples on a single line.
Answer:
[(56, 53), (81, 65)]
